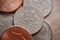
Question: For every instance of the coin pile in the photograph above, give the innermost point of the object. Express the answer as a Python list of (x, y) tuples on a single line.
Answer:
[(24, 20)]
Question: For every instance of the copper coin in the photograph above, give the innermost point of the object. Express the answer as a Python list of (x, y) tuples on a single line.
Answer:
[(16, 33), (10, 5)]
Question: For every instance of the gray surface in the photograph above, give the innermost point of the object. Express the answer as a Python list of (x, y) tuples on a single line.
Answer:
[(30, 18), (44, 34), (44, 5), (6, 20)]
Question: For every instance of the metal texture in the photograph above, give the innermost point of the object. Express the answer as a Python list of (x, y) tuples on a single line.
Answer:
[(44, 5), (44, 34), (16, 33), (30, 18), (6, 20)]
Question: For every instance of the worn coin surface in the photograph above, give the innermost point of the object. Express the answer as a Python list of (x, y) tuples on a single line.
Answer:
[(44, 5), (44, 34), (30, 18), (10, 5), (16, 33), (6, 20)]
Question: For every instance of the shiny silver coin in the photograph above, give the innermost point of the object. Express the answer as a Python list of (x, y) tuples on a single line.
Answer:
[(44, 5), (6, 20), (44, 34), (30, 18)]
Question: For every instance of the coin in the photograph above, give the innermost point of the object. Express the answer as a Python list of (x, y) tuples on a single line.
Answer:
[(44, 34), (44, 6), (10, 5), (16, 33), (30, 18), (5, 21)]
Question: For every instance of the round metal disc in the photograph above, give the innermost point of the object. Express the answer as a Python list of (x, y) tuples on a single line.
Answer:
[(10, 5), (30, 18), (6, 20), (44, 5), (44, 34), (16, 33)]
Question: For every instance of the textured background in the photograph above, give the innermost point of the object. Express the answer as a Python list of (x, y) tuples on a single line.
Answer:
[(54, 19)]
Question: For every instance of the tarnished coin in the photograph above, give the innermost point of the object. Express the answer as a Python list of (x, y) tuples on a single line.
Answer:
[(44, 5), (6, 20), (30, 18), (44, 34), (10, 5), (16, 33)]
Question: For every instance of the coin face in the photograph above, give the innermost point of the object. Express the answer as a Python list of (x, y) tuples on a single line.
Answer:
[(30, 18), (16, 33), (44, 34), (10, 5), (6, 20), (44, 6)]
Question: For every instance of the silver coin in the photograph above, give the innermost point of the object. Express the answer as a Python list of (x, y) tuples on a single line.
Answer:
[(44, 5), (6, 20), (30, 18), (44, 34)]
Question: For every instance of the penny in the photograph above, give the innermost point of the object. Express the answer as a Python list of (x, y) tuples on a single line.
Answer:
[(16, 33), (30, 18), (10, 5), (44, 6), (44, 34), (5, 21)]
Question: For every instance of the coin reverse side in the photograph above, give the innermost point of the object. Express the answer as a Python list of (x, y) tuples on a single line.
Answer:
[(30, 18), (44, 34), (44, 6)]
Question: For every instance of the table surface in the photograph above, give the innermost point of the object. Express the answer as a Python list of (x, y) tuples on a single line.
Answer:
[(54, 19)]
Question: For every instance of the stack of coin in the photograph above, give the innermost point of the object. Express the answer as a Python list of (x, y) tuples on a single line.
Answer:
[(29, 17), (32, 20)]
